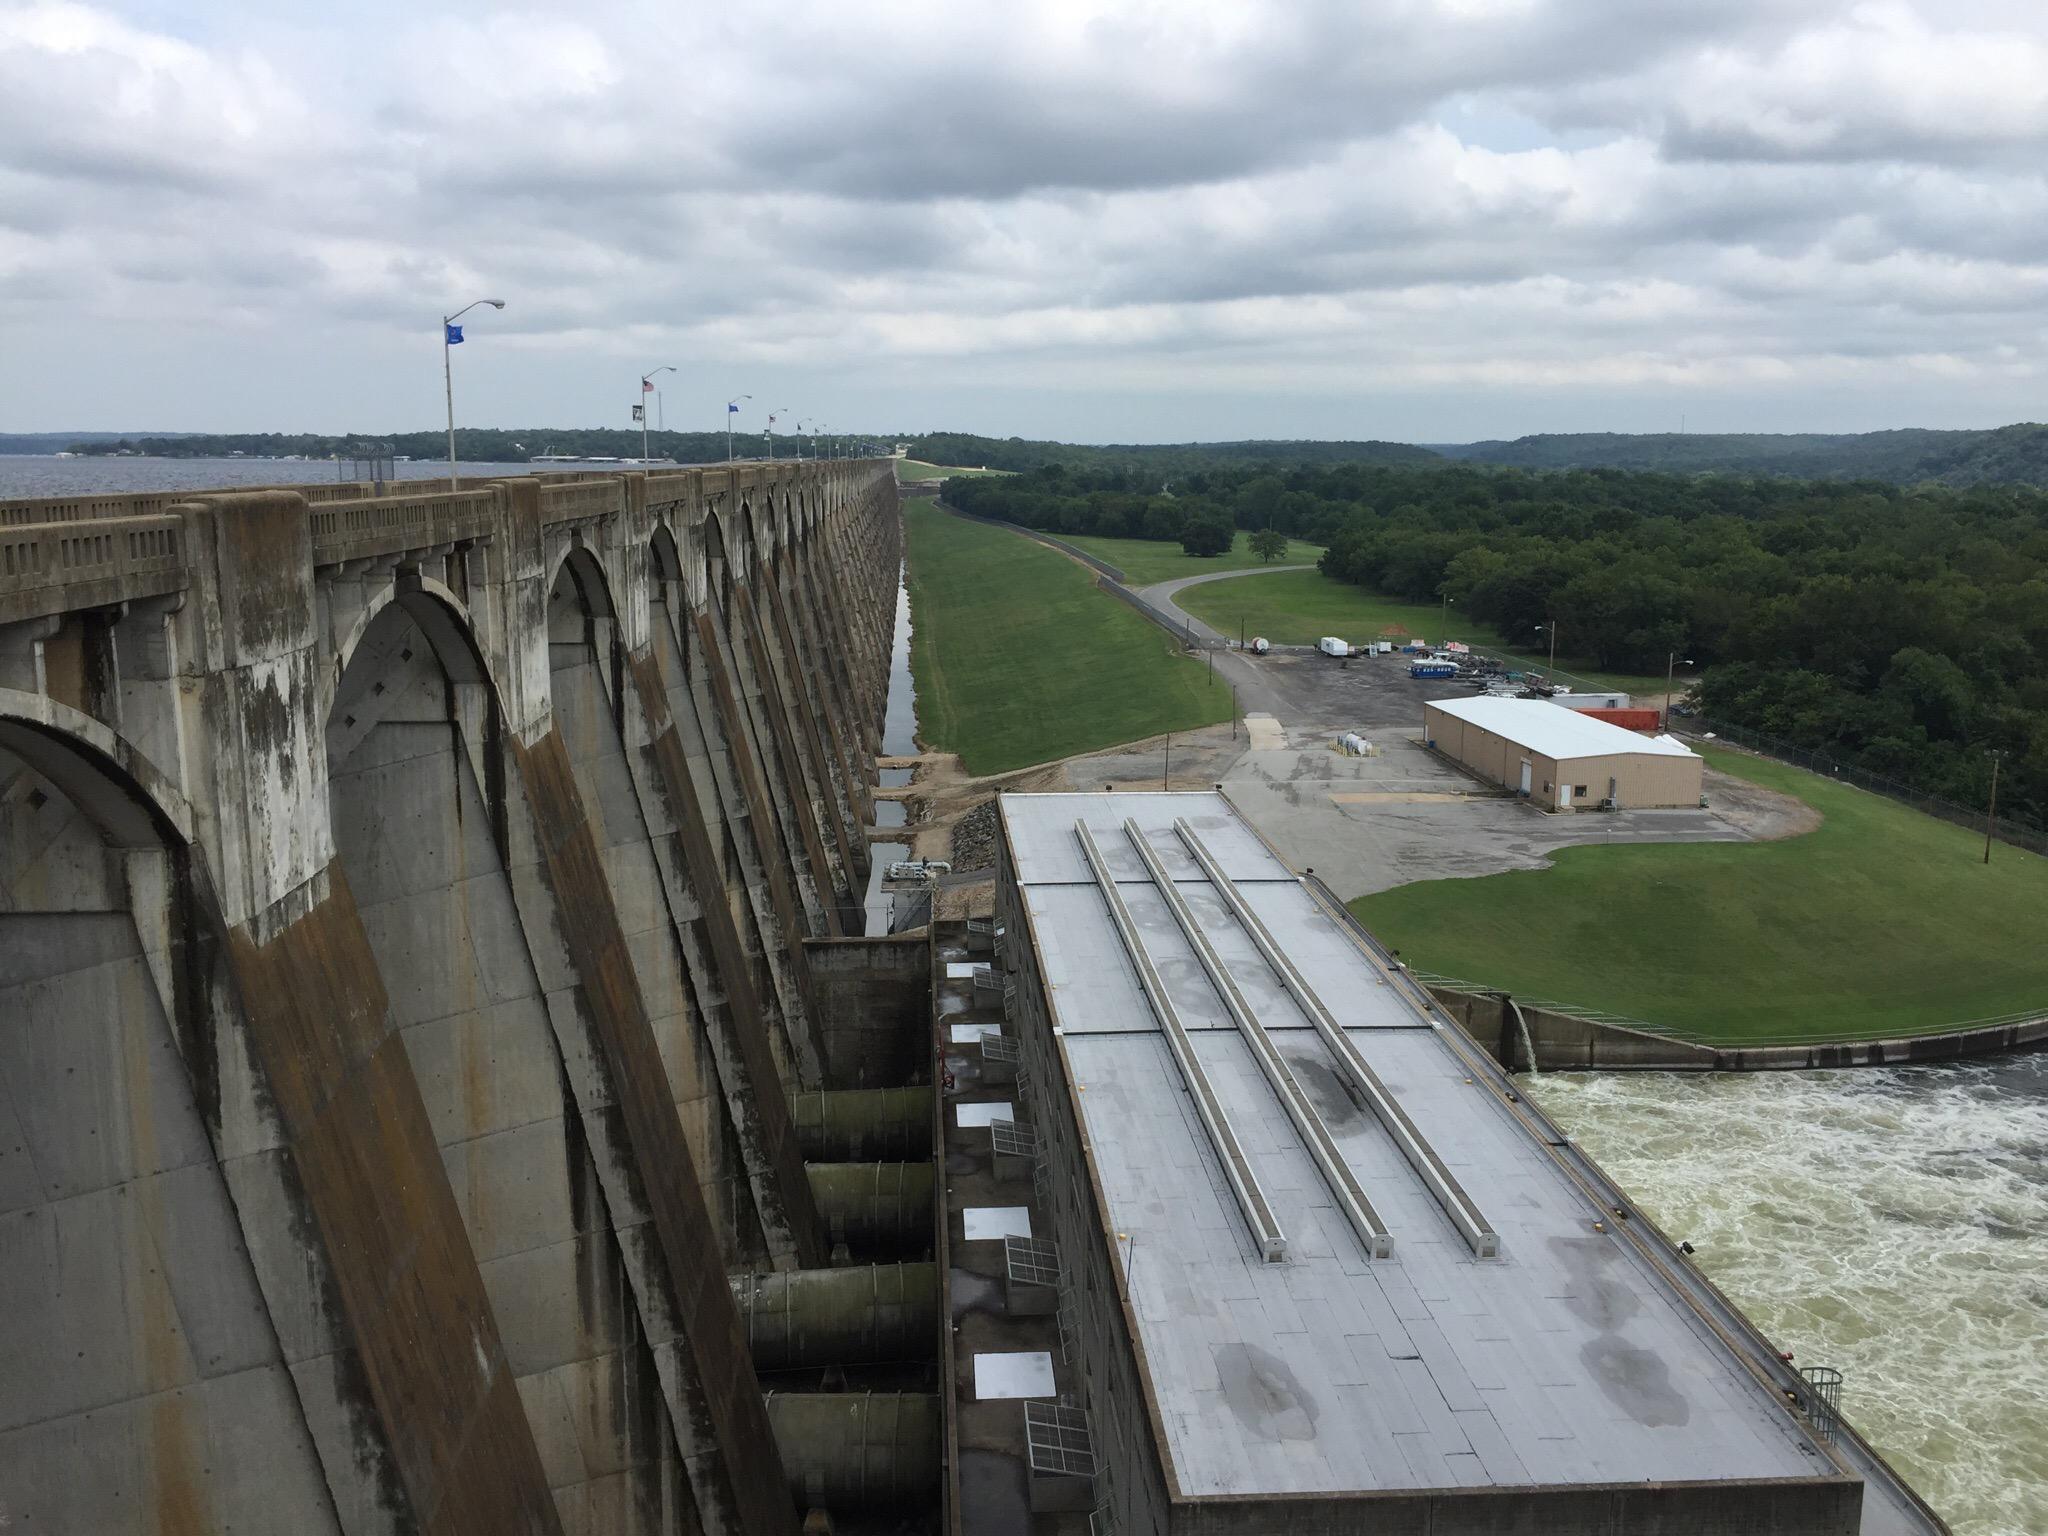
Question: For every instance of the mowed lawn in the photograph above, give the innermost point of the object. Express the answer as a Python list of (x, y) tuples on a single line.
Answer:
[(1299, 607), (1882, 921), (917, 469), (1019, 658), (1144, 561)]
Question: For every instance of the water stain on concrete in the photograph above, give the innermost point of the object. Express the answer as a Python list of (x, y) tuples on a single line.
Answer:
[(1635, 1381), (1264, 1393)]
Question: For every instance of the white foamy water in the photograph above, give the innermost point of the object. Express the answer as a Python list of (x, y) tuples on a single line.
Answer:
[(1891, 1223)]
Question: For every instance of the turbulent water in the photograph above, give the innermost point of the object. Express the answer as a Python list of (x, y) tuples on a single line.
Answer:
[(28, 474), (1891, 1223)]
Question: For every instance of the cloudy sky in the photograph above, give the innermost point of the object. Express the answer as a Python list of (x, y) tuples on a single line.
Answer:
[(1429, 220)]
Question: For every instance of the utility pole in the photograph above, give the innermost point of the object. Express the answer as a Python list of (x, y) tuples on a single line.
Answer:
[(1233, 711), (1166, 769), (1991, 821)]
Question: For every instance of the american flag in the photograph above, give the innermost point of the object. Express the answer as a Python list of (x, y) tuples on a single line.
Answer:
[(647, 386)]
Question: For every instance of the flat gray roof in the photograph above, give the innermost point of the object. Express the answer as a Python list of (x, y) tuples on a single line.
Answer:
[(1566, 1359)]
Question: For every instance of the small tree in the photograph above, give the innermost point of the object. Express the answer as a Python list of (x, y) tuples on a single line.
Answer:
[(1269, 544)]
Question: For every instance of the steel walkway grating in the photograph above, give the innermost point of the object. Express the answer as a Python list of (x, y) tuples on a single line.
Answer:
[(1057, 1441)]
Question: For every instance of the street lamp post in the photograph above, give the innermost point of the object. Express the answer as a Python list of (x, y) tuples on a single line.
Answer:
[(647, 388), (732, 407), (1670, 665), (780, 410), (448, 377), (1553, 650)]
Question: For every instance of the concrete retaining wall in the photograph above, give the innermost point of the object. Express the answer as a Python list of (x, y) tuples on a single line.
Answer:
[(1567, 1043)]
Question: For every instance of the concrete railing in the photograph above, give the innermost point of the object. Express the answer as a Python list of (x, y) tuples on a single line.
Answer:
[(383, 525), (54, 567), (581, 501), (61, 554)]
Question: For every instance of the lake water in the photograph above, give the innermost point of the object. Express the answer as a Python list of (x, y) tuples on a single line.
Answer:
[(1892, 1223), (23, 475)]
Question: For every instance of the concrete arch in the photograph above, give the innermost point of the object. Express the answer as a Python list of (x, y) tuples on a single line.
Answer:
[(132, 804), (442, 617), (664, 554), (587, 577), (116, 1039)]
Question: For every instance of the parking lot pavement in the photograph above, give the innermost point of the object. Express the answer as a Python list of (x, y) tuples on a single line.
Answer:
[(1365, 824)]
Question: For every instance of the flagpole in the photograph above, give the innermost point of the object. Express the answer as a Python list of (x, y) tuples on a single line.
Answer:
[(448, 378), (646, 388), (732, 408), (448, 387)]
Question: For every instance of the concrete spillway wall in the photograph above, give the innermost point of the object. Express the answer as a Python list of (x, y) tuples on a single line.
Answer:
[(410, 910)]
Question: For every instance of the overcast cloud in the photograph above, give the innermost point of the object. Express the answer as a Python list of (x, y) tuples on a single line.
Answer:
[(1419, 219)]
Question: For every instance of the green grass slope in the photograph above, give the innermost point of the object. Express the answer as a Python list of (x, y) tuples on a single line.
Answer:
[(1882, 921), (1019, 658), (1144, 561)]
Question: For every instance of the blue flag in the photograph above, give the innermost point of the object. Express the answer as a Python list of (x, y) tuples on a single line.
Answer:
[(454, 335), (731, 408)]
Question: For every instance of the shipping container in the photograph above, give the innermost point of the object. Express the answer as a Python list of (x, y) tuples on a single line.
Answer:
[(1627, 719)]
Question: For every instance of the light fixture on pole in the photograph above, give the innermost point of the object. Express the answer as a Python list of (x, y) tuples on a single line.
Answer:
[(732, 409), (1670, 667), (451, 335), (769, 432), (1553, 651), (647, 388)]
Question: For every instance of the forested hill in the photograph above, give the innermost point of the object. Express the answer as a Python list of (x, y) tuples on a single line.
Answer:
[(1016, 453), (2015, 455)]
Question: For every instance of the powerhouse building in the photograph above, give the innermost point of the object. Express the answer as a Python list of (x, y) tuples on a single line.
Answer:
[(1323, 1268)]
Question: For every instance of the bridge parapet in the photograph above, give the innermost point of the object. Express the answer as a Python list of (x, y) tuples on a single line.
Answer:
[(59, 567), (391, 525)]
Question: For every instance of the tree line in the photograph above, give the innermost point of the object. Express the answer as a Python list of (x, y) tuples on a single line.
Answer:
[(1902, 629)]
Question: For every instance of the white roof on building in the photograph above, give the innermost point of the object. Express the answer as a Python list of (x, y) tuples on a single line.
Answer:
[(1567, 1358), (1542, 727)]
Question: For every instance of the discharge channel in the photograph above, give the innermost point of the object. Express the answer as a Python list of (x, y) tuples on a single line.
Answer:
[(899, 737), (1889, 1222)]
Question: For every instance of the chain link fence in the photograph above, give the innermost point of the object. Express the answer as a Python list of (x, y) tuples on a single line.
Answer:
[(1828, 765)]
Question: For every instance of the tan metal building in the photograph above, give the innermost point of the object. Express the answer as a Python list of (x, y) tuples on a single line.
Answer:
[(1561, 758)]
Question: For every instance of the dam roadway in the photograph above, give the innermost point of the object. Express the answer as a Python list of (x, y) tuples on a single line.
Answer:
[(417, 911)]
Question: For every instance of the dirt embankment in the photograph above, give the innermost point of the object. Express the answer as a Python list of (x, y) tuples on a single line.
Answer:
[(1765, 814)]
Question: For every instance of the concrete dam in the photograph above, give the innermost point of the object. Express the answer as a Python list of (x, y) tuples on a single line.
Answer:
[(438, 1048), (448, 1085)]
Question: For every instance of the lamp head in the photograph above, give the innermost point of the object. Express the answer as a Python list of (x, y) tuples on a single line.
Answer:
[(495, 303)]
